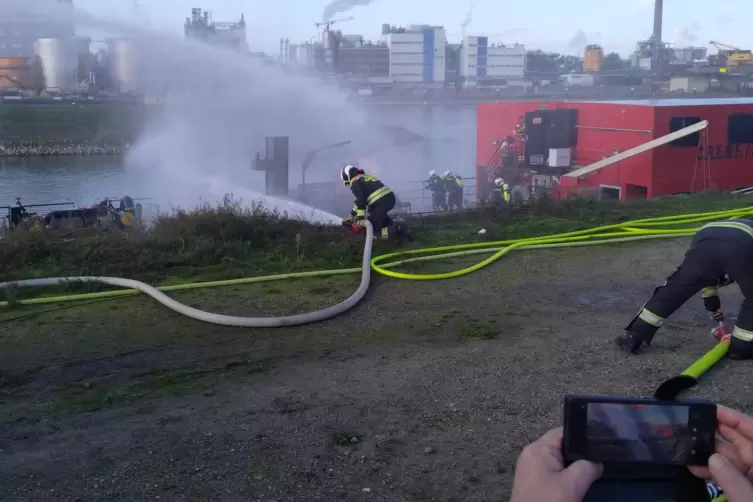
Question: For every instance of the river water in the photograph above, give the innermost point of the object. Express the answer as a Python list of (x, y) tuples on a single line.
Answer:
[(438, 138)]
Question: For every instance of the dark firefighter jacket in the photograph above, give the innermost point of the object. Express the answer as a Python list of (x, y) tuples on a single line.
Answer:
[(367, 191), (718, 229), (435, 184)]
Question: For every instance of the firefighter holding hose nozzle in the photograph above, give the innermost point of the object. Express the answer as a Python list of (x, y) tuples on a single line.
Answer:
[(372, 196), (436, 185), (721, 253)]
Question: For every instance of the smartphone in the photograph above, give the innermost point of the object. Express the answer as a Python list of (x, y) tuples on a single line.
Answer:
[(639, 431)]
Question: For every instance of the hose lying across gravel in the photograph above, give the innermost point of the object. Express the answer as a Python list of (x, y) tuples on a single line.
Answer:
[(636, 230)]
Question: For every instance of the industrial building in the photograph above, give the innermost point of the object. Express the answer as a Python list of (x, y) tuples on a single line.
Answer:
[(18, 34), (366, 62), (692, 83), (717, 155), (15, 73), (417, 54), (123, 71), (58, 63), (200, 26), (593, 58), (480, 61)]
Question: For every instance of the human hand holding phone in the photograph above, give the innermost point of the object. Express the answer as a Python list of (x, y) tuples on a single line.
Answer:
[(731, 467)]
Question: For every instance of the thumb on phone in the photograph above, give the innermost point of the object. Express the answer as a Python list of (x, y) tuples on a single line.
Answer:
[(734, 483), (580, 475)]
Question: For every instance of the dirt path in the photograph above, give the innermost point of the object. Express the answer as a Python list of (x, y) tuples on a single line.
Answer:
[(427, 391)]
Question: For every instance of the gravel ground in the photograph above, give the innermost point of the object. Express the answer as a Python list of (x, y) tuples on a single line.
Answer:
[(427, 391)]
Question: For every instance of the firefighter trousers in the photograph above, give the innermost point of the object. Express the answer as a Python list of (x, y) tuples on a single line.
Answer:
[(455, 198), (708, 258), (380, 220)]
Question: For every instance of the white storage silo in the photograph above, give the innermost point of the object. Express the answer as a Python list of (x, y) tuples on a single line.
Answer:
[(123, 64), (58, 63)]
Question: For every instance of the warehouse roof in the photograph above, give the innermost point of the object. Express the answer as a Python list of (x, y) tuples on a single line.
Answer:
[(680, 102)]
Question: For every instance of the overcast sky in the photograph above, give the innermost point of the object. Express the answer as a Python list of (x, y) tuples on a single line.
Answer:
[(544, 24)]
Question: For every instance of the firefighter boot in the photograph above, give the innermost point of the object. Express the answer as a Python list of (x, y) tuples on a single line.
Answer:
[(740, 349), (632, 341), (401, 232)]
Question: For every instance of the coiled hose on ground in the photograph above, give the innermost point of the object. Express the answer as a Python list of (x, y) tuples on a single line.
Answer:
[(631, 231)]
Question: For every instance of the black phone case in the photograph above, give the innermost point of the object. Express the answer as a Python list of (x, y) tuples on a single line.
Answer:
[(682, 489)]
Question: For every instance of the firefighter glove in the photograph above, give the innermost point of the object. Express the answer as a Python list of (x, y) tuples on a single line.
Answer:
[(717, 316), (361, 223)]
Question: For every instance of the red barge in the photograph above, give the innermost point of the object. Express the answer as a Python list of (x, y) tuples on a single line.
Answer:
[(637, 149)]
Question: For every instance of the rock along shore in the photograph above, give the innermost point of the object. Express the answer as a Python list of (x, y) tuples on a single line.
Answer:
[(60, 148)]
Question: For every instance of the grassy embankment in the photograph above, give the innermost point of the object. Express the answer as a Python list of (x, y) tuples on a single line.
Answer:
[(111, 123), (167, 354), (228, 241)]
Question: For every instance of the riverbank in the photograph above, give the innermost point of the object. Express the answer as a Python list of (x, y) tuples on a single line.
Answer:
[(43, 148), (425, 391)]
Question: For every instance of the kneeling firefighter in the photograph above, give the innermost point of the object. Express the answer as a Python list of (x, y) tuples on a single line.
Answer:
[(720, 253), (501, 191), (372, 195)]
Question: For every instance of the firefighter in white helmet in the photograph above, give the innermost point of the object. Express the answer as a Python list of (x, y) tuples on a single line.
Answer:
[(370, 195)]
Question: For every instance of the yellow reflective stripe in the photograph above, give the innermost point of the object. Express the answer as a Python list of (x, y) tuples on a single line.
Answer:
[(360, 212), (651, 318), (743, 334), (710, 292), (385, 232), (731, 224), (377, 194)]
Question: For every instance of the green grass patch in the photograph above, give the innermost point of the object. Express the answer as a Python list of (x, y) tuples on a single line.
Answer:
[(231, 241)]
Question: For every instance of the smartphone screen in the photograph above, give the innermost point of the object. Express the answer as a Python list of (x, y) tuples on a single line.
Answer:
[(631, 432)]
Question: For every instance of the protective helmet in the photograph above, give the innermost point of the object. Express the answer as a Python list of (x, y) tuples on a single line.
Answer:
[(432, 173), (348, 172), (499, 182)]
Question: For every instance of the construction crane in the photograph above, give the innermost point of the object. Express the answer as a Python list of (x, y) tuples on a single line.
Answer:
[(328, 23), (731, 56)]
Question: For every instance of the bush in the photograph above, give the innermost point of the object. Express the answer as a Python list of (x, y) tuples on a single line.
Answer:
[(190, 240)]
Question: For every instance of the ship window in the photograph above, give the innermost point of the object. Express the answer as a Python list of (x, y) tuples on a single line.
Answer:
[(677, 123), (740, 128)]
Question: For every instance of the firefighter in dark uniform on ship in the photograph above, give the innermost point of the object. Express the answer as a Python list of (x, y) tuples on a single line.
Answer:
[(721, 253), (373, 196)]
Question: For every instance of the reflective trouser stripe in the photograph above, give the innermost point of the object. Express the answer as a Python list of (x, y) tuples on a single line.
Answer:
[(651, 318), (385, 232), (360, 213), (743, 334), (377, 194), (731, 224), (710, 292)]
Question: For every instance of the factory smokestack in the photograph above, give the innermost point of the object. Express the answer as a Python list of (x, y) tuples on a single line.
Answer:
[(658, 9)]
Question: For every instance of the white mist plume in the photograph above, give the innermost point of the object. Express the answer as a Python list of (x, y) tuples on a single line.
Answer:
[(687, 35), (340, 6), (467, 20), (220, 107)]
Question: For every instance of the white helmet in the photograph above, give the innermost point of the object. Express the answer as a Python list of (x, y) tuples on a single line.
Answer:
[(347, 173), (432, 173), (499, 182)]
